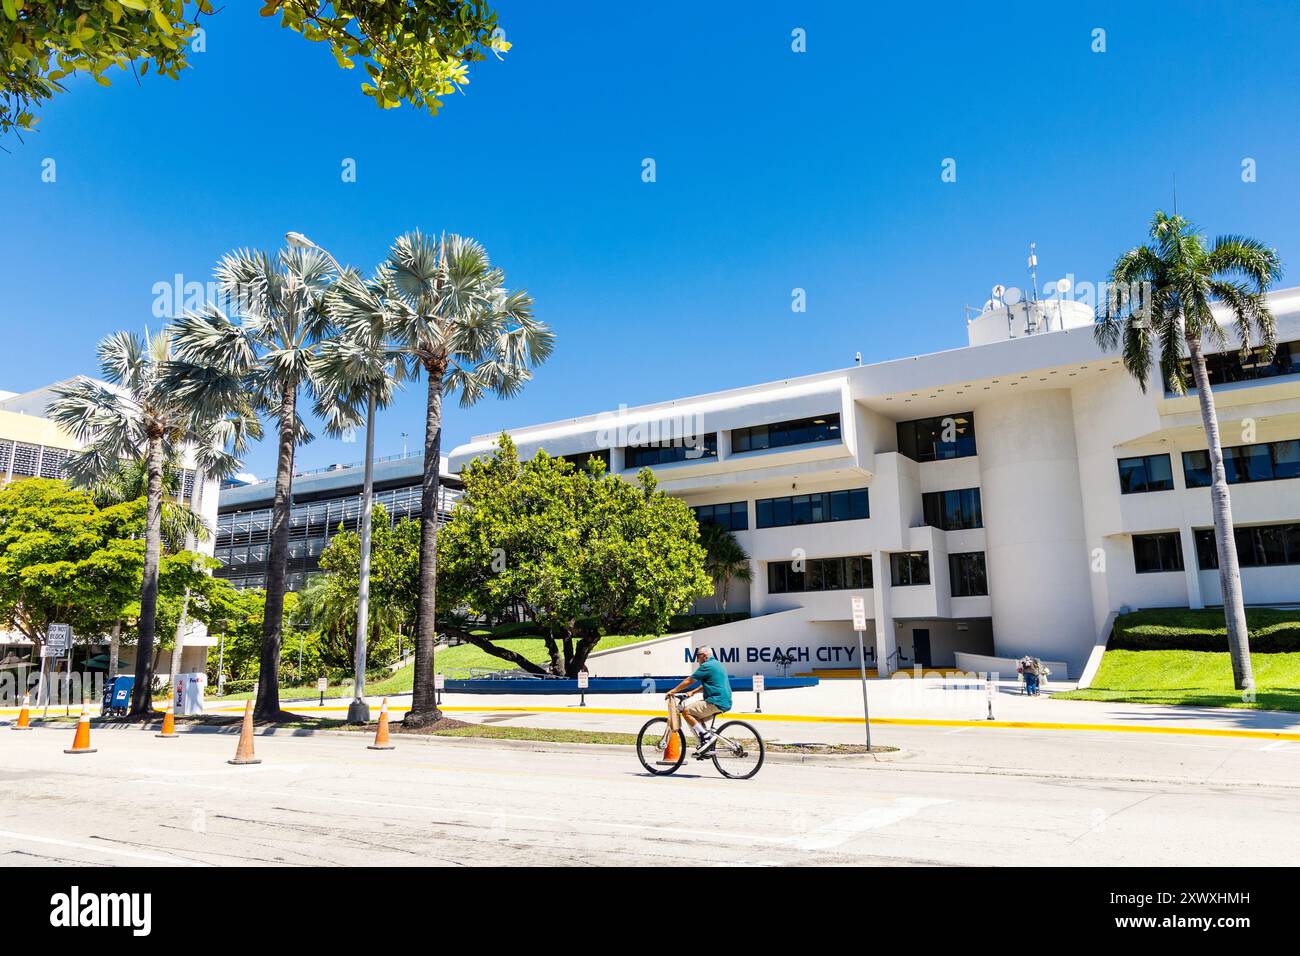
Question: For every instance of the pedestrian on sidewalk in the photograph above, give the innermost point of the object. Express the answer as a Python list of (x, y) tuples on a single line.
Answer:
[(1029, 668)]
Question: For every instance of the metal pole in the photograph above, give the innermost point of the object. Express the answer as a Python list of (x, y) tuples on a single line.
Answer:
[(221, 660), (862, 664), (358, 712)]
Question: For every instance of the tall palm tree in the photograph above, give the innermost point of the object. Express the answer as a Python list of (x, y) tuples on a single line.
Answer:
[(724, 559), (445, 308), (265, 355), (360, 369), (1162, 301), (181, 524), (137, 416), (129, 481)]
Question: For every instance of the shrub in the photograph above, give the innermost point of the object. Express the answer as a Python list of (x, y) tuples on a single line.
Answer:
[(1272, 630)]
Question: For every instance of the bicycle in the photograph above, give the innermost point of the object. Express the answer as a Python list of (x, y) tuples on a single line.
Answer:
[(737, 749)]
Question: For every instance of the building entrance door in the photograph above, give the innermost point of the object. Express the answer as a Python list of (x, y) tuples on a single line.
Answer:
[(921, 646)]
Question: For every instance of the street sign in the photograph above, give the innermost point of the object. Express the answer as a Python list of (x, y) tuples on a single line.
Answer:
[(439, 682), (321, 684), (58, 636), (758, 683), (859, 614), (51, 651), (582, 680), (860, 625)]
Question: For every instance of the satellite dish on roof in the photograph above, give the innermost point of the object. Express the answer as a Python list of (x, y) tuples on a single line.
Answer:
[(1062, 286), (1011, 296)]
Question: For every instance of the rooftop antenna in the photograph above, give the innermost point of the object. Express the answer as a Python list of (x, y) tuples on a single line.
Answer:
[(1175, 178), (1032, 305), (857, 358)]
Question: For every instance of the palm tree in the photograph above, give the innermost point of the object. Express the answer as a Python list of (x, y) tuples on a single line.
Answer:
[(137, 416), (266, 358), (129, 481), (359, 369), (445, 308), (1162, 299), (180, 524), (724, 559)]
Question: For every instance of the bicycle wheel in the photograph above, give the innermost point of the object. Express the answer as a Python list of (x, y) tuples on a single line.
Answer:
[(650, 748), (739, 752)]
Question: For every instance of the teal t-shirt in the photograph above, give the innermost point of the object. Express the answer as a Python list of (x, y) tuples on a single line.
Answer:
[(717, 689)]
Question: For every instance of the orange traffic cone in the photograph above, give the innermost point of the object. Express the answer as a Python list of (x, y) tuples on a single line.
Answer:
[(381, 731), (673, 751), (81, 742), (244, 752), (24, 718), (169, 723)]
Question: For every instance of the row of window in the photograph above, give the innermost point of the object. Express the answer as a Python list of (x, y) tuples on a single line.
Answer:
[(1226, 367), (940, 438), (695, 448), (967, 572), (1258, 546), (958, 510), (801, 431), (812, 508), (734, 515), (1242, 464), (24, 460), (819, 574)]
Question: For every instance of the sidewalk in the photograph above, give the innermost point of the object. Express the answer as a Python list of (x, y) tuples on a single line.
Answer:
[(832, 711)]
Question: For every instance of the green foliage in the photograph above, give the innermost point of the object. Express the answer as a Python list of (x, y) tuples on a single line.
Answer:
[(412, 52), (585, 554), (1272, 630), (238, 615), (329, 603), (725, 560), (1193, 679), (63, 559)]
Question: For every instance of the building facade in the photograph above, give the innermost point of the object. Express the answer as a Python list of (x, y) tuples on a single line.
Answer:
[(325, 501), (1003, 498)]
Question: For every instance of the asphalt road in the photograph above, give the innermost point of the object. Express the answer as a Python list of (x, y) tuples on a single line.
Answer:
[(326, 800)]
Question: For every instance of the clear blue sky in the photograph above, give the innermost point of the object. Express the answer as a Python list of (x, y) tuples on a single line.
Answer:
[(776, 170)]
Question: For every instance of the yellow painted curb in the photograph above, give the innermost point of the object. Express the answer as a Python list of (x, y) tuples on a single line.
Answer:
[(894, 721)]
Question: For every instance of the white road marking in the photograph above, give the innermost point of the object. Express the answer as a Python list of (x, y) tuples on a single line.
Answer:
[(95, 848), (843, 829)]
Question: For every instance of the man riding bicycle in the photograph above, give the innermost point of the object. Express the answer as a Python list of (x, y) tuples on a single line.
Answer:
[(715, 687)]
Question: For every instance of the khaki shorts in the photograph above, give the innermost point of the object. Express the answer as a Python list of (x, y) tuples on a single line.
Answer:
[(701, 709)]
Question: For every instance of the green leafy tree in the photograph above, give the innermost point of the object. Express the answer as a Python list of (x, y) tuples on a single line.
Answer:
[(329, 603), (138, 416), (1160, 312), (444, 307), (181, 524), (411, 51), (585, 554), (65, 560), (725, 560)]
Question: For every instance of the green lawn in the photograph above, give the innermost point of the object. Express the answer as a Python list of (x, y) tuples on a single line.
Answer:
[(449, 661), (1172, 629), (1193, 678)]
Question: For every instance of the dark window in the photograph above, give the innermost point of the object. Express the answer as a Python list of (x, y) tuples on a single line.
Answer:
[(1259, 546), (909, 568), (579, 459), (1146, 473), (733, 516), (1242, 464), (953, 510), (1226, 367), (1157, 552), (968, 574), (802, 431), (667, 452), (819, 574), (813, 508), (932, 439)]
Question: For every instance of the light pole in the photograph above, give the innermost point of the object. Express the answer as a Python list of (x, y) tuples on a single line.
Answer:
[(358, 710)]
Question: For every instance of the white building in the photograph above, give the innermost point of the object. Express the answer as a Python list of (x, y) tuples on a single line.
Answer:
[(999, 499)]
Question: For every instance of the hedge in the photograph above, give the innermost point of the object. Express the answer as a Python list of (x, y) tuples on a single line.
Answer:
[(1271, 630)]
